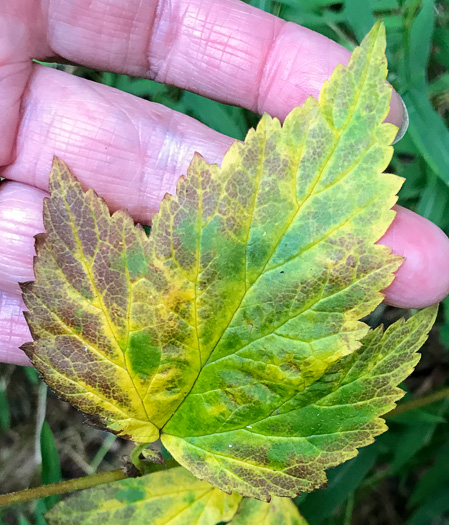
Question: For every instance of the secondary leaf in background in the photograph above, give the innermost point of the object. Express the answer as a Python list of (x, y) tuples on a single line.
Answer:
[(427, 128), (343, 481), (278, 511), (428, 131), (435, 477), (174, 496), (359, 16), (51, 466), (5, 415), (248, 289)]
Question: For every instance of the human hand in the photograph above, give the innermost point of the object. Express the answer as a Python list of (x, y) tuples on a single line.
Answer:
[(132, 151)]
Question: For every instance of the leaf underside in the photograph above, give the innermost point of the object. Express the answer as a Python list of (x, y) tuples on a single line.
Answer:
[(232, 329)]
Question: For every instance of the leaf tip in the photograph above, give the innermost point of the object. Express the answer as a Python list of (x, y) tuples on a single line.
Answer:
[(57, 166), (26, 285), (377, 33), (39, 240), (427, 316), (59, 174), (28, 349)]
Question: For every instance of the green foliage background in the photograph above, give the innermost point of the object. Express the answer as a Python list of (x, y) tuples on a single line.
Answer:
[(403, 478)]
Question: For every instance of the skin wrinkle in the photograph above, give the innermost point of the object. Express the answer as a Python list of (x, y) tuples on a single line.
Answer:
[(13, 329), (155, 65), (150, 31), (168, 149), (212, 45), (18, 225), (95, 130), (264, 83), (118, 28)]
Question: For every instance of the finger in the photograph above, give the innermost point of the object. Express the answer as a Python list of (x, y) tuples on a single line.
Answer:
[(423, 278), (20, 220), (21, 23), (130, 150), (15, 68), (224, 49), (13, 330)]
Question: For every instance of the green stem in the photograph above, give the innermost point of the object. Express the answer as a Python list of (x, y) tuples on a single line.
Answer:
[(101, 453), (419, 402), (61, 487), (135, 456)]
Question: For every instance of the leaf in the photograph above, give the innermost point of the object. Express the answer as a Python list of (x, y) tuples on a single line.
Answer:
[(217, 329), (420, 43), (174, 496), (153, 455), (435, 477), (86, 314), (320, 427), (434, 510), (428, 131), (278, 511), (359, 16), (413, 439), (51, 466), (5, 414)]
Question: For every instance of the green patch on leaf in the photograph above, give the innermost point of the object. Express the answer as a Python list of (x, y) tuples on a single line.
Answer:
[(233, 330), (129, 495)]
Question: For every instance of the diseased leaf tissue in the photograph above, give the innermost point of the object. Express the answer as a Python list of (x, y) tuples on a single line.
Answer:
[(233, 331)]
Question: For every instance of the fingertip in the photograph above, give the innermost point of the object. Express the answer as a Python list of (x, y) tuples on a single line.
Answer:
[(423, 278), (398, 115)]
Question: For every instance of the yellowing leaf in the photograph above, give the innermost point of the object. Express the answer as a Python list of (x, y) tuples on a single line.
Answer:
[(172, 497), (218, 329), (280, 511), (97, 341)]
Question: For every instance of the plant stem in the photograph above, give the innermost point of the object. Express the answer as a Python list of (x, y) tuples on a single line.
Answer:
[(420, 402), (135, 456), (61, 487), (104, 449)]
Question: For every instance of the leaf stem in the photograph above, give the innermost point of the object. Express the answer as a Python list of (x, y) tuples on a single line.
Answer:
[(61, 487), (420, 402), (135, 456)]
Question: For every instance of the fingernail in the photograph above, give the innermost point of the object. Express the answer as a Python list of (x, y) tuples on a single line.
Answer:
[(405, 122)]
